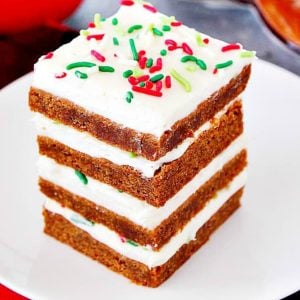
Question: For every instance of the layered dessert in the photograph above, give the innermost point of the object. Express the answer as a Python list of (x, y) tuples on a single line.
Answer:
[(140, 134)]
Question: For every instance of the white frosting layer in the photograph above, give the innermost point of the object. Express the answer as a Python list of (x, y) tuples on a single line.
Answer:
[(104, 93), (123, 204), (146, 255), (86, 143)]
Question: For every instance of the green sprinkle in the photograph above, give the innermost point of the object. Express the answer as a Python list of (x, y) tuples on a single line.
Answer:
[(185, 84), (120, 191), (103, 19), (137, 72), (128, 98), (157, 77), (157, 32), (132, 155), (114, 21), (133, 49), (201, 64), (191, 68), (166, 28), (149, 62), (81, 177), (247, 54), (97, 20), (80, 64), (163, 52), (84, 32), (188, 58), (199, 39), (142, 84), (81, 75), (134, 27), (79, 220), (132, 243), (224, 65), (127, 73), (115, 41), (108, 69)]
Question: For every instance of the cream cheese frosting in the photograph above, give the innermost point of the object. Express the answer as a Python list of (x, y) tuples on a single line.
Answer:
[(86, 143), (146, 255), (89, 71), (123, 204)]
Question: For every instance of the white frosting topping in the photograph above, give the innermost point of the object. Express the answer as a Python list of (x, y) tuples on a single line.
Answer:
[(146, 255), (123, 204), (104, 93), (86, 143)]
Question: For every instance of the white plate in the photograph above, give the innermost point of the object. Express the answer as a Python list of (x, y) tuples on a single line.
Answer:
[(255, 255)]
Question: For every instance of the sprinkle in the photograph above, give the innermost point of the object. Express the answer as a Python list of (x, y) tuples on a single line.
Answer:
[(157, 32), (142, 84), (215, 71), (115, 41), (141, 53), (132, 80), (133, 49), (132, 243), (120, 191), (98, 55), (80, 64), (146, 91), (81, 177), (163, 52), (127, 73), (97, 20), (123, 240), (157, 77), (188, 58), (103, 19), (108, 69), (158, 86), (185, 84), (246, 54), (142, 62), (224, 65), (172, 45), (201, 64), (132, 154), (187, 49), (97, 37), (60, 75), (129, 96), (143, 78), (149, 63), (176, 23), (81, 75), (134, 27), (91, 25), (166, 28), (127, 3), (231, 47), (114, 21), (168, 81), (150, 8), (157, 67), (79, 220), (206, 40), (48, 55), (199, 39), (149, 85), (84, 32)]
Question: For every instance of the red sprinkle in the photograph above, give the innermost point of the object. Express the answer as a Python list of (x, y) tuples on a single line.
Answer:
[(150, 8), (149, 85), (146, 91), (172, 45), (91, 25), (176, 23), (123, 240), (141, 53), (156, 67), (143, 78), (159, 62), (60, 75), (97, 37), (187, 49), (126, 2), (158, 85), (142, 62), (231, 47), (48, 55), (215, 71), (206, 40), (97, 55), (132, 80), (168, 81)]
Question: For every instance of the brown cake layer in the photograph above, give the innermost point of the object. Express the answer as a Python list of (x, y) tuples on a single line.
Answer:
[(169, 227), (146, 145), (170, 178), (61, 229)]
